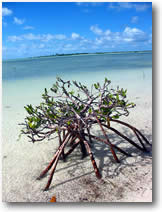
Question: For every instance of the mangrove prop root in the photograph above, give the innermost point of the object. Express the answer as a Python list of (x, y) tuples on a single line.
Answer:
[(108, 142), (116, 147), (60, 142), (134, 129), (98, 175), (52, 161), (126, 138), (52, 173), (140, 140), (89, 135), (55, 163), (70, 110), (75, 138), (72, 148)]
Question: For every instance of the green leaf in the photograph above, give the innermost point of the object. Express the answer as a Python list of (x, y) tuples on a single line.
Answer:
[(68, 122), (30, 124), (55, 88), (29, 109), (111, 96), (104, 118), (106, 80), (45, 90), (71, 92), (117, 97), (110, 103), (131, 104), (90, 110), (115, 116), (96, 86)]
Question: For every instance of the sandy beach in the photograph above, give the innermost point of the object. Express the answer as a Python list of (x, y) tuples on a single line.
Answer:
[(75, 180), (91, 43)]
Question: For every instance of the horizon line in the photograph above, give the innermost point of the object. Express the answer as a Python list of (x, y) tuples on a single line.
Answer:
[(72, 54)]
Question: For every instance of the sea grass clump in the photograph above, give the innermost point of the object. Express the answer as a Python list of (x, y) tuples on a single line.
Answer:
[(70, 110)]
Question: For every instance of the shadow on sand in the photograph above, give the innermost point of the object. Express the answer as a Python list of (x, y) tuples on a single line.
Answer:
[(104, 157)]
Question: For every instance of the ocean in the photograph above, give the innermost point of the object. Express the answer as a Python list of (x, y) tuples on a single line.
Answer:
[(24, 80)]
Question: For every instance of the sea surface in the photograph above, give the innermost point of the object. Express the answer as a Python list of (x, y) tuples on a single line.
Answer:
[(24, 80)]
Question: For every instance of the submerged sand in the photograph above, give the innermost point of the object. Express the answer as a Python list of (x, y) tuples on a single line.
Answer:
[(74, 180)]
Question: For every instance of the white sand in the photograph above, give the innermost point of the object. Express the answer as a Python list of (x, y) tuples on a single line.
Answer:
[(74, 180)]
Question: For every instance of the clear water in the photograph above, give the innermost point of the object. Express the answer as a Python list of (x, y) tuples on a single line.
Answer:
[(24, 80)]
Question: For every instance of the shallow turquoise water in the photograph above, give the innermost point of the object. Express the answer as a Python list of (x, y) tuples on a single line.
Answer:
[(23, 81)]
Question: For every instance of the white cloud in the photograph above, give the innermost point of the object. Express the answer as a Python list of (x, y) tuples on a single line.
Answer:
[(99, 41), (104, 40), (104, 35), (126, 5), (129, 5), (28, 27), (46, 37), (6, 11), (31, 36), (88, 7), (133, 31), (18, 21), (107, 32), (85, 41), (112, 6), (81, 4), (128, 39), (41, 45), (75, 36), (134, 19), (141, 7), (60, 37), (49, 37), (96, 30), (28, 36), (87, 4), (68, 45), (134, 35), (14, 38), (129, 35)]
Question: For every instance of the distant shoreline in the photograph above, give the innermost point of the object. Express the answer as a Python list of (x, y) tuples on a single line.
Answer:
[(78, 54)]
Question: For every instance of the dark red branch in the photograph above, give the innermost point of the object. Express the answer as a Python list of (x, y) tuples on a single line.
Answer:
[(53, 160), (133, 128), (98, 175), (55, 163), (108, 142), (104, 141), (126, 138), (72, 148)]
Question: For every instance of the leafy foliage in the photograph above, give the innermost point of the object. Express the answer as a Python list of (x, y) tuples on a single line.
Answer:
[(67, 103)]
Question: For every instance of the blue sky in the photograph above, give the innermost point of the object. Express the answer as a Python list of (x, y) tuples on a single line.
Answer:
[(39, 28)]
